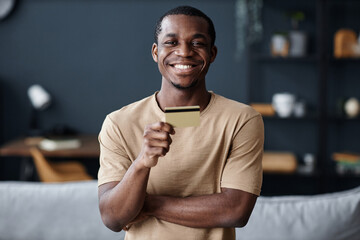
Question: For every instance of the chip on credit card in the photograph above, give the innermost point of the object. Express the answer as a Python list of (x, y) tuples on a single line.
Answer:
[(188, 116)]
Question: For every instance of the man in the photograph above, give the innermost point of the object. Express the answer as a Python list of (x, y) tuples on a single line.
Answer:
[(158, 182)]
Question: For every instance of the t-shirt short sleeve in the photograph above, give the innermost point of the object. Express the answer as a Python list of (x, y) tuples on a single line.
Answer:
[(243, 169), (114, 162)]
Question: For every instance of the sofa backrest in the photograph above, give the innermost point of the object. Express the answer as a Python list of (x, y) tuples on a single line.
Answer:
[(334, 216), (51, 211), (61, 211)]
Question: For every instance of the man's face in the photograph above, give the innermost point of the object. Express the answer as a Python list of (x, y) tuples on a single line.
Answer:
[(184, 50)]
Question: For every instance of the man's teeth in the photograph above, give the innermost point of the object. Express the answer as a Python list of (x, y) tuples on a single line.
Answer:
[(179, 66)]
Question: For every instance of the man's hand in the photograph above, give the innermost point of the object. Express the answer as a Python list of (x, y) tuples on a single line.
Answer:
[(141, 217), (156, 143)]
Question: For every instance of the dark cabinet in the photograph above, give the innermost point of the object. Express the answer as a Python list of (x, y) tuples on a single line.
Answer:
[(318, 79)]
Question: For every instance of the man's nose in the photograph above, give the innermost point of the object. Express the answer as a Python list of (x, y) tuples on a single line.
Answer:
[(183, 50)]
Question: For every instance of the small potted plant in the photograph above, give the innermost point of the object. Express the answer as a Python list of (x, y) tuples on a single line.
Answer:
[(298, 39)]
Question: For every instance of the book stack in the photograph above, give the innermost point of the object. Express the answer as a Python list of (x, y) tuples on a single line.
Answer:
[(265, 109), (52, 144), (347, 162), (279, 162)]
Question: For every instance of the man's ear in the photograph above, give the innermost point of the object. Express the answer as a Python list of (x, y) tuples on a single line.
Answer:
[(213, 52), (154, 52)]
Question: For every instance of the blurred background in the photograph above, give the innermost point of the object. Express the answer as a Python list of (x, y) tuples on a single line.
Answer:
[(296, 62)]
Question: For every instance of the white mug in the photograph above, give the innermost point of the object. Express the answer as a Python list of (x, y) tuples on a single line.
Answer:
[(283, 103)]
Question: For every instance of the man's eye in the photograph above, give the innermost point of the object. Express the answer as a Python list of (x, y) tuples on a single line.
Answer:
[(198, 44), (170, 43)]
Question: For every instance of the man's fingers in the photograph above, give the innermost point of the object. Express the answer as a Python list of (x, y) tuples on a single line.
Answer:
[(156, 142), (159, 135), (139, 218), (162, 126), (152, 143), (156, 151), (127, 227)]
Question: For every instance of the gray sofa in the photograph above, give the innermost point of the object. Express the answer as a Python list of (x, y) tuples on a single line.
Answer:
[(37, 211)]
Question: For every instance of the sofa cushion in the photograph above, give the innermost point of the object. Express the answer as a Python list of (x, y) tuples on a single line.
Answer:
[(319, 217), (36, 211)]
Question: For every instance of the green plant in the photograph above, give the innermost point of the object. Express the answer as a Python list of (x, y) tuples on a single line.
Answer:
[(296, 17)]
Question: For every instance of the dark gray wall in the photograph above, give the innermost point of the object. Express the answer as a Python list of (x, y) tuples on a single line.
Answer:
[(94, 57)]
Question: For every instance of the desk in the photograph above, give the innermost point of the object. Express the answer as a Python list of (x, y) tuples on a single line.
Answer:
[(20, 148)]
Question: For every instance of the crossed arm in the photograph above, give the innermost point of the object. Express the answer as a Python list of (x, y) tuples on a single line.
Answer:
[(124, 202), (119, 207)]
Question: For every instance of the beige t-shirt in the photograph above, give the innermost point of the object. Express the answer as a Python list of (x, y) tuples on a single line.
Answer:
[(224, 151)]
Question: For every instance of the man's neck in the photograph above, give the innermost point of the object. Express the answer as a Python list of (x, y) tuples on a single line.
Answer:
[(172, 97)]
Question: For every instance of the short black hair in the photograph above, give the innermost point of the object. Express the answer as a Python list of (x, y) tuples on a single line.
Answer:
[(188, 11)]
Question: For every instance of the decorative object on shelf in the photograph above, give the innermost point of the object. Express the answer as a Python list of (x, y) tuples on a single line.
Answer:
[(352, 107), (283, 104), (298, 43), (347, 162), (6, 6), (298, 39), (264, 109), (40, 100), (339, 108), (346, 44), (309, 164), (300, 109), (248, 23), (346, 156), (356, 47), (279, 162), (279, 45)]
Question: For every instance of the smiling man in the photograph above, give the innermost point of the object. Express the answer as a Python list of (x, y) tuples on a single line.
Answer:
[(200, 182)]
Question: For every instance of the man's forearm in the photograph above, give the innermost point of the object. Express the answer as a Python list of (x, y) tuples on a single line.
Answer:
[(122, 203), (231, 208)]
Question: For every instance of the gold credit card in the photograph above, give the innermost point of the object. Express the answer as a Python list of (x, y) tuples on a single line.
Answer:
[(188, 116)]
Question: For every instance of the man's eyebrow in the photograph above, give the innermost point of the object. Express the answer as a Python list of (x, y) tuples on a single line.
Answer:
[(199, 35), (170, 35), (196, 35)]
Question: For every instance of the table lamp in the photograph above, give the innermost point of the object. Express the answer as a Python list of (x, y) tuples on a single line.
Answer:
[(40, 100)]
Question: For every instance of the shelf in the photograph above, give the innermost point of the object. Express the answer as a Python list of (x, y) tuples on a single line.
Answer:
[(333, 174), (292, 175), (344, 176), (343, 118), (344, 60), (342, 2), (269, 58), (307, 118)]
